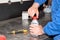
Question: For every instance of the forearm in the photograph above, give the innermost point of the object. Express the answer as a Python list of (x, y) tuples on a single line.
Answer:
[(51, 29)]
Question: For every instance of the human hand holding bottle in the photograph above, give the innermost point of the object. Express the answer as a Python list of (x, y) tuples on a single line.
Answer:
[(33, 10), (38, 30)]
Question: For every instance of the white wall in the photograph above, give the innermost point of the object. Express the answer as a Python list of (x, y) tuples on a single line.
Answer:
[(6, 1)]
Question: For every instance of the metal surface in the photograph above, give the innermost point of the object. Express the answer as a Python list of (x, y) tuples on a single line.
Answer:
[(6, 1), (17, 24)]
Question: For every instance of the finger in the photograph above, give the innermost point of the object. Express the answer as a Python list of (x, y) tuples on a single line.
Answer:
[(37, 13), (31, 28), (31, 25), (31, 33), (32, 14), (29, 12)]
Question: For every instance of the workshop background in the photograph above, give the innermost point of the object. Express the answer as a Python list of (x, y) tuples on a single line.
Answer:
[(14, 9), (11, 19)]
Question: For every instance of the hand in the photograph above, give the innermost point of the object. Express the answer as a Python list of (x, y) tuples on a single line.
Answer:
[(38, 30), (33, 10)]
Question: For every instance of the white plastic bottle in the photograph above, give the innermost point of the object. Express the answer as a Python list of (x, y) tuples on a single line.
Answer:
[(34, 22)]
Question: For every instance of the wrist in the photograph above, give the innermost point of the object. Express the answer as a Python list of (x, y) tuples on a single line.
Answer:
[(42, 31), (35, 5)]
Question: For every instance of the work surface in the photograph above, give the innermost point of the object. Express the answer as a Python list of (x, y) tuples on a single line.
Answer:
[(19, 24)]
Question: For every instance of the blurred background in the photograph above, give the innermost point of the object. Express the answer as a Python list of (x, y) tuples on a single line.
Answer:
[(14, 8), (13, 13)]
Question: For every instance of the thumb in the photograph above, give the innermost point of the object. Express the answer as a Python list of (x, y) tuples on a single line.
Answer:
[(32, 15), (37, 13)]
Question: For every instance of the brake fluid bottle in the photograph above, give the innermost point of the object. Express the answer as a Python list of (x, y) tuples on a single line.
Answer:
[(35, 22)]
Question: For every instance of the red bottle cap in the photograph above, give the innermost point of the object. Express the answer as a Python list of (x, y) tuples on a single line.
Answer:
[(2, 37), (34, 18)]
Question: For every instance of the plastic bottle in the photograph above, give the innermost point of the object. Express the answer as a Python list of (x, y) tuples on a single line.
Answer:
[(34, 22)]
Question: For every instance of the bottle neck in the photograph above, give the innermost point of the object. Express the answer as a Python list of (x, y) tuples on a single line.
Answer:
[(34, 18)]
